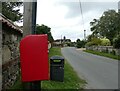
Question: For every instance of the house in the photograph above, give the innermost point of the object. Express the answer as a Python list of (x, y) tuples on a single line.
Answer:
[(11, 36), (61, 42)]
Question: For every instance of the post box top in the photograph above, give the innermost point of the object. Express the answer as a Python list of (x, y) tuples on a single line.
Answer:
[(33, 35), (56, 57)]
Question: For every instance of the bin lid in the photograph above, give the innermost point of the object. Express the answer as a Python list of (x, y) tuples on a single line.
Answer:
[(56, 57)]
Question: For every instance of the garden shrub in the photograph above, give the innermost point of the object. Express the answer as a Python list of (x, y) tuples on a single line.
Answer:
[(116, 42)]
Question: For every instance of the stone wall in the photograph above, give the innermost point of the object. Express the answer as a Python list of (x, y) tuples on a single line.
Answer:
[(10, 59), (10, 35), (10, 73), (108, 49)]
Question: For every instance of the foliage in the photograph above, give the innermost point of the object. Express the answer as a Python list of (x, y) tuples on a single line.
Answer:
[(113, 52), (116, 42), (80, 43), (73, 44), (105, 42), (90, 44), (43, 29), (64, 38), (94, 41), (89, 38), (68, 44), (107, 26), (11, 10), (98, 41)]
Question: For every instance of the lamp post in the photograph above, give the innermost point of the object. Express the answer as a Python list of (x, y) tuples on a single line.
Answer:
[(84, 34), (61, 40), (119, 7)]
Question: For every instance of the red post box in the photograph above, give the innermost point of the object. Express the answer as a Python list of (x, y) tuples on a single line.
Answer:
[(34, 58)]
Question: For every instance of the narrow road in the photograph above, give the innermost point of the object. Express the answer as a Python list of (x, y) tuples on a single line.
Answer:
[(99, 72)]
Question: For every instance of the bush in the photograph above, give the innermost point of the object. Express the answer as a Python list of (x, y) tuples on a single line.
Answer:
[(105, 51), (112, 52), (80, 44), (89, 43), (94, 41), (116, 42), (105, 42)]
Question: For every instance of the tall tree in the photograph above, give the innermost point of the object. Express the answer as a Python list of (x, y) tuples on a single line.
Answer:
[(43, 29), (116, 42), (107, 26), (11, 10), (80, 43), (64, 38)]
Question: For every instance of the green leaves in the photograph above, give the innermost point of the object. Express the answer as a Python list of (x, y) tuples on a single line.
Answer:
[(107, 26), (94, 41), (80, 43), (105, 42), (43, 29), (116, 42), (9, 10)]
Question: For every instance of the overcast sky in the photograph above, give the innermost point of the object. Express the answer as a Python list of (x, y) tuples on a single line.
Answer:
[(65, 19)]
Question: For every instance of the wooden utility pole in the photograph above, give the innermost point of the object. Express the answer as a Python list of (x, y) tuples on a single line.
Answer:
[(27, 21), (27, 30), (29, 26)]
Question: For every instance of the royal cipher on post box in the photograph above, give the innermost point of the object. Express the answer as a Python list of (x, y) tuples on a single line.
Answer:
[(34, 58)]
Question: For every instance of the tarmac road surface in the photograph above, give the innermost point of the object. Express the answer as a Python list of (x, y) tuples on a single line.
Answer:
[(99, 72)]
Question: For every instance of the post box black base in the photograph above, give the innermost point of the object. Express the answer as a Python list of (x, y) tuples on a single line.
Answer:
[(35, 85)]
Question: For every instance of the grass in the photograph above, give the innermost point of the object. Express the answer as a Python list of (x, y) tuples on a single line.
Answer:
[(103, 54), (71, 80), (18, 84)]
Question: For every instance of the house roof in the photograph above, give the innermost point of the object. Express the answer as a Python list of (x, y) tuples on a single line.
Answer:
[(9, 23), (66, 40)]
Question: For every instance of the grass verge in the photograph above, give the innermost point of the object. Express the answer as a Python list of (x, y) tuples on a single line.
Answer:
[(71, 80), (18, 84), (103, 54)]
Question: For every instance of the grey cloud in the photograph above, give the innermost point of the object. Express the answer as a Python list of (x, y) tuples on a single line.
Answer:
[(74, 7), (90, 10)]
